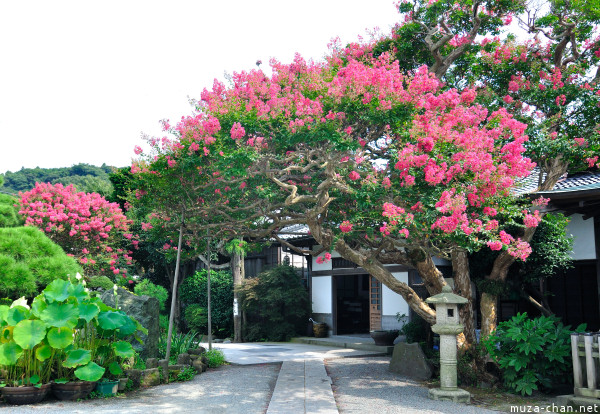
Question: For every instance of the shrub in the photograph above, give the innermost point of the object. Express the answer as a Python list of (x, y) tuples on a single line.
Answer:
[(29, 260), (180, 343), (215, 358), (196, 317), (276, 305), (9, 214), (532, 352), (146, 287), (100, 282), (193, 291)]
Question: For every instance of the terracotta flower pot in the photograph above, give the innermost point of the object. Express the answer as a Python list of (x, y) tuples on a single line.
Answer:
[(25, 395), (384, 338), (72, 390)]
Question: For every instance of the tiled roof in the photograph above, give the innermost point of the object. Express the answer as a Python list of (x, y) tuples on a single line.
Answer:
[(567, 183)]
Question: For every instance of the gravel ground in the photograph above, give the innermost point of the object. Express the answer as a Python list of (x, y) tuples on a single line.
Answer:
[(364, 385), (229, 389)]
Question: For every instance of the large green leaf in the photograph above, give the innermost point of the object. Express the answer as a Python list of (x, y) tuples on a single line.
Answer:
[(123, 349), (60, 338), (3, 313), (127, 328), (88, 311), (17, 314), (90, 372), (61, 315), (77, 357), (10, 353), (57, 291), (78, 292), (29, 333), (43, 352), (115, 368), (111, 320), (38, 305)]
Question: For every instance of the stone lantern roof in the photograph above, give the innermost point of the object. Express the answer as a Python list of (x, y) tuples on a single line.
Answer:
[(446, 297)]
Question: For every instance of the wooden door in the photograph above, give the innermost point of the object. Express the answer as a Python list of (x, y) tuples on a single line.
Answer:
[(374, 303)]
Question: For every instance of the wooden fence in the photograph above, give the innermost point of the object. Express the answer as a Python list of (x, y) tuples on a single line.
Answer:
[(586, 364)]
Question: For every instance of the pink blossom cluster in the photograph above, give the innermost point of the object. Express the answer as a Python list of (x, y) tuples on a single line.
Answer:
[(323, 259), (85, 225)]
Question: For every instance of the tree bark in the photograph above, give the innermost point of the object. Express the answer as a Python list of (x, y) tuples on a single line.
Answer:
[(238, 271), (489, 316), (462, 287)]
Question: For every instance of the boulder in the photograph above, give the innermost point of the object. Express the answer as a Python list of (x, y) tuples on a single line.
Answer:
[(152, 363), (150, 377), (199, 366), (144, 309), (198, 351), (184, 359), (194, 357), (135, 375), (409, 361)]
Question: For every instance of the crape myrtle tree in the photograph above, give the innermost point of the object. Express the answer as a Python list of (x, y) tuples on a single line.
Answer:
[(85, 225), (546, 76), (383, 166)]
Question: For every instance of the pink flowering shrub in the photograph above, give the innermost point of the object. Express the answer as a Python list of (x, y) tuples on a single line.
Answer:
[(85, 225)]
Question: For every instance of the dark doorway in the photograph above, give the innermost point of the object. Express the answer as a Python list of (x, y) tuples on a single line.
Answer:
[(352, 304)]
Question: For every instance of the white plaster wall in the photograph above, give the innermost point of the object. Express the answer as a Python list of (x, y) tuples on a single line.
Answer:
[(323, 266), (321, 294), (584, 245), (391, 302)]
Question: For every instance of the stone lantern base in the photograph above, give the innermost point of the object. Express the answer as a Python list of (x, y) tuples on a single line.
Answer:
[(456, 395)]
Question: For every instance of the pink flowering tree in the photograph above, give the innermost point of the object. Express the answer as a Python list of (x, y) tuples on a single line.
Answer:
[(85, 225), (383, 166)]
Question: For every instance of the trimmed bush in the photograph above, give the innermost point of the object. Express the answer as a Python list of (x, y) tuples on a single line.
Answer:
[(146, 287), (276, 305), (29, 260), (100, 282), (193, 291), (196, 317), (9, 214)]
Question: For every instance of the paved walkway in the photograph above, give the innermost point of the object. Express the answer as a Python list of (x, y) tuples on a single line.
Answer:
[(303, 385)]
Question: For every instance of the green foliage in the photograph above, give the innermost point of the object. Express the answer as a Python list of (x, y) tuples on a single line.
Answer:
[(146, 287), (276, 305), (83, 176), (180, 343), (193, 291), (215, 358), (9, 214), (415, 330), (186, 374), (100, 282), (532, 353), (29, 260), (196, 317)]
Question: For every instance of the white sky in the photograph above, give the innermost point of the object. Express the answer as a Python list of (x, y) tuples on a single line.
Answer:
[(81, 80)]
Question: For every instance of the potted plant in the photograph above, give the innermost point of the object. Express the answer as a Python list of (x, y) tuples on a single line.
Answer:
[(384, 337)]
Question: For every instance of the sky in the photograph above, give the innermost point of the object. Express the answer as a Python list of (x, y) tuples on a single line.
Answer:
[(81, 81)]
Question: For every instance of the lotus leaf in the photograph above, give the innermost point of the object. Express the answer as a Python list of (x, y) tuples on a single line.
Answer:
[(123, 349), (77, 357), (38, 305), (10, 353), (16, 315), (78, 292), (111, 320), (6, 334), (43, 352), (57, 290), (20, 302), (34, 379), (88, 311), (29, 333), (90, 372), (3, 313), (115, 368), (61, 315), (60, 338), (128, 328)]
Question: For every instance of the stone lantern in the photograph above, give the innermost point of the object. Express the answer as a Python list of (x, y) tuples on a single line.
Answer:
[(448, 326)]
